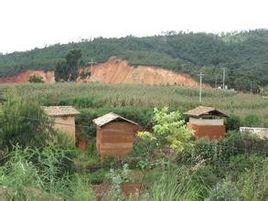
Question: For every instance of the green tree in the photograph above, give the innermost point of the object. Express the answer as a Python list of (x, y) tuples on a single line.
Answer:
[(61, 71), (68, 69), (246, 85)]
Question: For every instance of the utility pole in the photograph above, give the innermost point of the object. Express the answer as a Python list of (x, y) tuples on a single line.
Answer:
[(223, 79), (251, 86), (91, 63), (200, 86)]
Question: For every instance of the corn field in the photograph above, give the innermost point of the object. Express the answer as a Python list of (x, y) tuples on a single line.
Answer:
[(84, 95)]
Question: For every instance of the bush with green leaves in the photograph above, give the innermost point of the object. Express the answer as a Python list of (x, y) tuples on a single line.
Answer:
[(117, 177), (41, 174), (252, 120), (253, 185), (169, 130), (23, 123), (233, 123), (220, 151), (225, 190), (176, 183), (36, 79), (242, 163), (81, 189)]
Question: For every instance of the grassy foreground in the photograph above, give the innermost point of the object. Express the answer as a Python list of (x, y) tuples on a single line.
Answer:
[(38, 163)]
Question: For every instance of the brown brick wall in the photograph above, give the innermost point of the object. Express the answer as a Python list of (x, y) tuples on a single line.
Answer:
[(209, 131), (116, 138)]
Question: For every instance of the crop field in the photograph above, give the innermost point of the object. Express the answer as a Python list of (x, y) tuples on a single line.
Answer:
[(95, 95), (165, 164)]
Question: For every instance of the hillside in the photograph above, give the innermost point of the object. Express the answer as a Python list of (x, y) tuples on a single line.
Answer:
[(244, 55), (114, 71), (23, 77)]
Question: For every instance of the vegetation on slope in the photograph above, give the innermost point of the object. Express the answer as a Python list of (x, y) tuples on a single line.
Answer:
[(244, 55)]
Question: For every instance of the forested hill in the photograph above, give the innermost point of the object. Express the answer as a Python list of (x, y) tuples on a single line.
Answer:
[(244, 55)]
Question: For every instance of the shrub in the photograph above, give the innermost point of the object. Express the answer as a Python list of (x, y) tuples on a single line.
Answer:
[(250, 186), (243, 143), (84, 74), (177, 184), (253, 184), (233, 123), (117, 177), (17, 174), (23, 123), (252, 120), (81, 189), (219, 152), (244, 163), (36, 79), (166, 187), (54, 162), (34, 174), (224, 191), (169, 129), (142, 149), (98, 176)]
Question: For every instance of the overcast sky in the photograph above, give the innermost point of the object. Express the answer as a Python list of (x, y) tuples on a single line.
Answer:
[(26, 24)]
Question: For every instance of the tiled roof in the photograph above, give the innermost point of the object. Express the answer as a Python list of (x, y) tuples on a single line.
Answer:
[(60, 111), (202, 110), (107, 118)]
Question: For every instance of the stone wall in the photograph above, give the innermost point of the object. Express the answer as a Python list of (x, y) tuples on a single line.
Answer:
[(262, 132)]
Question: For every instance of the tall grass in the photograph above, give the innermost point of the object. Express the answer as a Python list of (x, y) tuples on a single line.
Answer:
[(33, 174), (177, 185)]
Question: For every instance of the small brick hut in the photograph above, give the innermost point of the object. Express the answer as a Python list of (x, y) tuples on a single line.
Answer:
[(115, 135), (64, 119), (206, 122)]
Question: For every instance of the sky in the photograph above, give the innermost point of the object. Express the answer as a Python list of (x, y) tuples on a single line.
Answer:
[(26, 24)]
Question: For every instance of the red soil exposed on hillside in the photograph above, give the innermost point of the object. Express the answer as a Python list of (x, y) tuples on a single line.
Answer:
[(116, 71), (48, 76)]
